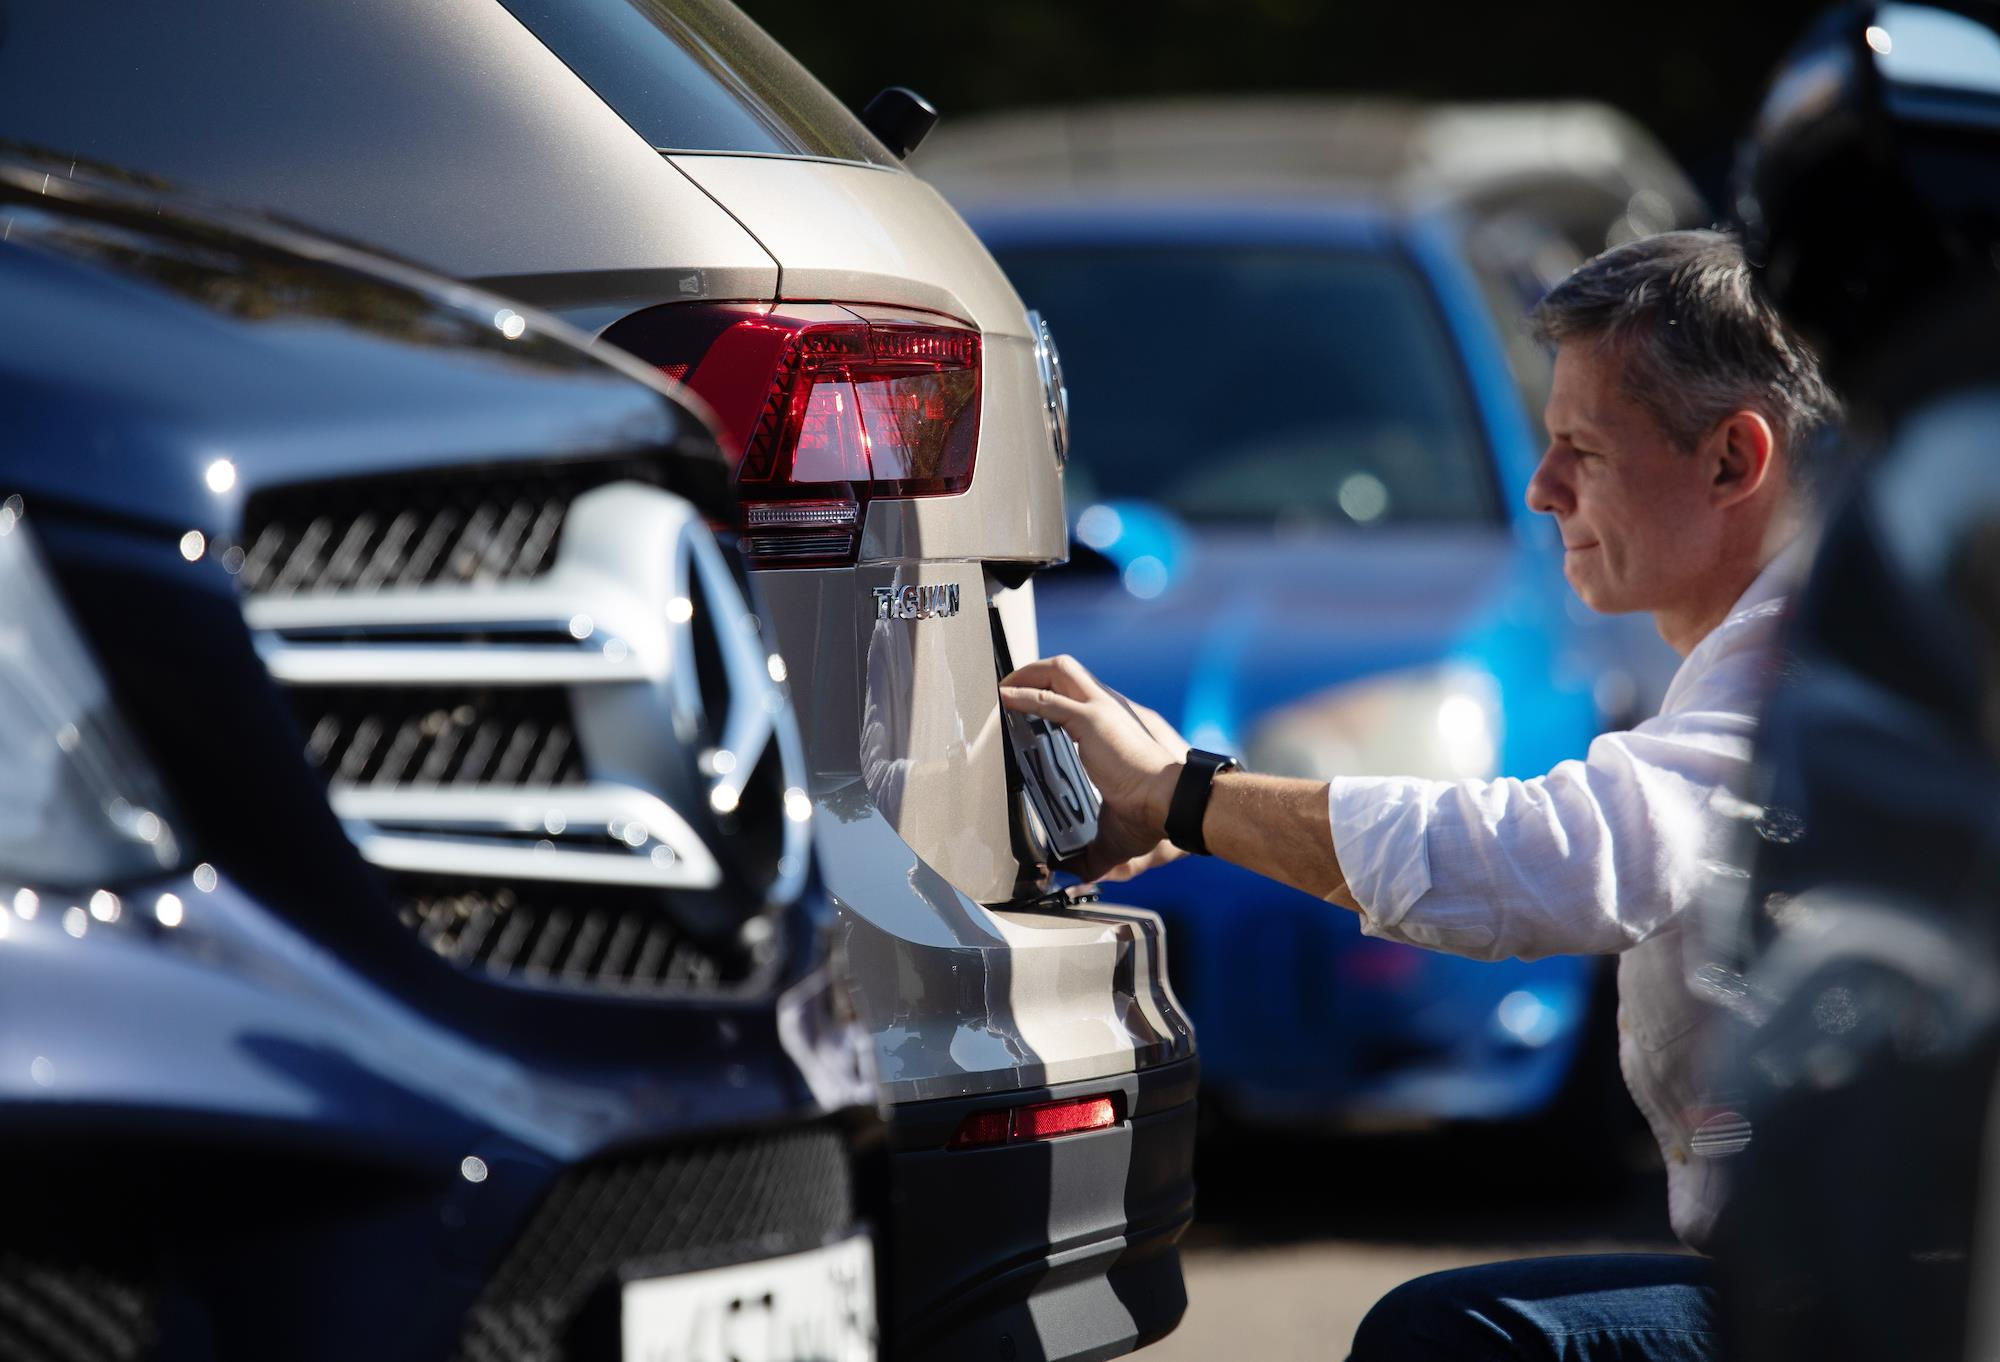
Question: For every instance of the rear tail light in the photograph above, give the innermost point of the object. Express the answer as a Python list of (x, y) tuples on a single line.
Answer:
[(1041, 1121), (825, 408)]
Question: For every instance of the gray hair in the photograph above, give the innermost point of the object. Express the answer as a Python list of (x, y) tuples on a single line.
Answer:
[(1697, 337)]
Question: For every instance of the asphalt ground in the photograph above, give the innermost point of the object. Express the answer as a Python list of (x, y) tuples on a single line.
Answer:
[(1296, 1238)]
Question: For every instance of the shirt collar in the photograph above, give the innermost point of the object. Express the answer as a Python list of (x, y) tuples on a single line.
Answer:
[(1778, 579), (1755, 616)]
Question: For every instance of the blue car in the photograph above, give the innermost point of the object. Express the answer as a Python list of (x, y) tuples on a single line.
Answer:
[(1301, 438), (337, 1019)]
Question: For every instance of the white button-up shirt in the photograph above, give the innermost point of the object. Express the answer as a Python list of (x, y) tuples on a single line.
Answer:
[(1599, 855)]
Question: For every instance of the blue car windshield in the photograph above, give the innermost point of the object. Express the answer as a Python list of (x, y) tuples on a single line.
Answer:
[(1283, 386)]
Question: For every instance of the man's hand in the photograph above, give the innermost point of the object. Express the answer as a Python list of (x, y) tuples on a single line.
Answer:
[(1131, 754), (1270, 824)]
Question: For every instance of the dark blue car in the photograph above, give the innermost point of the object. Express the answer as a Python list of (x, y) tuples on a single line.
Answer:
[(1303, 426), (336, 1018)]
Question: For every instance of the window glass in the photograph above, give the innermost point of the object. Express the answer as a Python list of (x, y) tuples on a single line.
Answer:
[(1283, 386), (697, 75)]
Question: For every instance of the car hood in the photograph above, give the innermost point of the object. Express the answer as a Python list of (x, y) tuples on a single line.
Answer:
[(1251, 622), (149, 339)]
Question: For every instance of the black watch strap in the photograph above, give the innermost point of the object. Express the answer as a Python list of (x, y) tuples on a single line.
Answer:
[(1190, 802)]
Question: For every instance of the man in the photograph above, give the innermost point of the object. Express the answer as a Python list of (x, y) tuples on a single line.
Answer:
[(1679, 407)]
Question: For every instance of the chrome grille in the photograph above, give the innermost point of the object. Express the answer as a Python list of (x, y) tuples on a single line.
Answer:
[(569, 756), (613, 939), (373, 537), (435, 736)]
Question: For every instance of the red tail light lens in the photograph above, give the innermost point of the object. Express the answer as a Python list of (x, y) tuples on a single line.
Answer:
[(1042, 1121), (826, 407), (1051, 1119), (983, 1128)]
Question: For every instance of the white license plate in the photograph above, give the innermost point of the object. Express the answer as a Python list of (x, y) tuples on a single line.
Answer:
[(1060, 795), (817, 1306)]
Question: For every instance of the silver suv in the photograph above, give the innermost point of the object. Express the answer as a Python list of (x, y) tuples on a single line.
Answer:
[(661, 173)]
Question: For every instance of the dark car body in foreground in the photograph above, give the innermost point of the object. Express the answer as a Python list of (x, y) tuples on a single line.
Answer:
[(659, 173), (266, 1091)]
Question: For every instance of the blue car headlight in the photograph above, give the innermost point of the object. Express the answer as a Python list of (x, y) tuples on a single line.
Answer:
[(1440, 722), (80, 806)]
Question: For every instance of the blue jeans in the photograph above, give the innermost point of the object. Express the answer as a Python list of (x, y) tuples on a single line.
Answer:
[(1630, 1307)]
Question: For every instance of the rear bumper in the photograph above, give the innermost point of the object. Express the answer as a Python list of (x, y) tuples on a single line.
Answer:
[(1065, 1249)]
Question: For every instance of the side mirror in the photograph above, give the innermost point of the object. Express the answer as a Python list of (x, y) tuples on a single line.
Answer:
[(902, 118)]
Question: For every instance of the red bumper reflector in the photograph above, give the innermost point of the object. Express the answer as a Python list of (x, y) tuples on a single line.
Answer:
[(982, 1128), (1042, 1121)]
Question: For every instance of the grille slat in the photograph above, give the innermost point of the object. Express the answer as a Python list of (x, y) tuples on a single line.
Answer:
[(345, 561), (62, 1312), (659, 942), (618, 953), (514, 760), (555, 754), (540, 540), (478, 753), (444, 748), (478, 927), (507, 951), (503, 550), (354, 761), (583, 948), (470, 550), (388, 552), (302, 563), (549, 943), (428, 550), (257, 561), (396, 760)]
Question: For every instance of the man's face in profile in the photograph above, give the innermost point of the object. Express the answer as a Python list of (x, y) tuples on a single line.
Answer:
[(1634, 512)]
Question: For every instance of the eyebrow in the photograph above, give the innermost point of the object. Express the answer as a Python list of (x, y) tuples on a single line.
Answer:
[(1576, 430)]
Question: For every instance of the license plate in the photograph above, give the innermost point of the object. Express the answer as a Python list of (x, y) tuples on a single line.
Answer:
[(817, 1306), (1060, 795)]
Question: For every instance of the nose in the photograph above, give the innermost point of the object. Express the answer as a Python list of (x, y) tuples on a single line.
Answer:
[(1549, 492)]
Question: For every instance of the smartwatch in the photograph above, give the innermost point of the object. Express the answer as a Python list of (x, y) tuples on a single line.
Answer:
[(1190, 802)]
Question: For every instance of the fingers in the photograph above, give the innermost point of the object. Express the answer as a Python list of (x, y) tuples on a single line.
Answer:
[(1063, 675), (1043, 702), (1090, 866), (1097, 865), (1123, 871)]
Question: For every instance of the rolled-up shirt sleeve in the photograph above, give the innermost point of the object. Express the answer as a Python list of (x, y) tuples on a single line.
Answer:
[(1591, 858)]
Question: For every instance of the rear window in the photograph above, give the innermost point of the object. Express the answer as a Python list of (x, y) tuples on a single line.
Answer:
[(697, 75), (1283, 386)]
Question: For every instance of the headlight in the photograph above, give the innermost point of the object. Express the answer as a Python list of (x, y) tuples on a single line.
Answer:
[(1439, 722), (79, 806)]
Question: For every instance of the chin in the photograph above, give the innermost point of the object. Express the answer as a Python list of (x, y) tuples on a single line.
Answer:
[(1601, 598), (1587, 590)]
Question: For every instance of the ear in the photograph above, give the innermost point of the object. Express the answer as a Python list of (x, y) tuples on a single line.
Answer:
[(1739, 453)]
